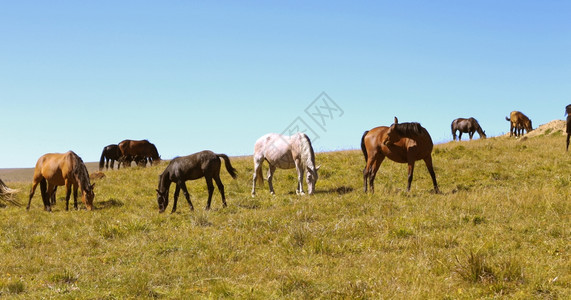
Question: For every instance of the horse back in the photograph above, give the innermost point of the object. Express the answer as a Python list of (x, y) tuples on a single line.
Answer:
[(194, 166), (56, 168)]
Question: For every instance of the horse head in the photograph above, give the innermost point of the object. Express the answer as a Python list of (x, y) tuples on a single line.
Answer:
[(528, 126), (87, 196), (162, 200), (392, 135), (311, 179)]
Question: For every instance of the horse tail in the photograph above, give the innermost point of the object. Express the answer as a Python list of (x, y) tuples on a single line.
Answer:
[(508, 119), (229, 167), (102, 160), (363, 148)]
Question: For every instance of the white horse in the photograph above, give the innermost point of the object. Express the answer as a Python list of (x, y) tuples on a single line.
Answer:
[(285, 152)]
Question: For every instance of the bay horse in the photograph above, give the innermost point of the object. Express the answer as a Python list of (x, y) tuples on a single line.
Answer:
[(519, 122), (130, 148), (568, 113), (402, 143), (110, 153), (57, 169), (202, 164), (469, 126), (285, 152)]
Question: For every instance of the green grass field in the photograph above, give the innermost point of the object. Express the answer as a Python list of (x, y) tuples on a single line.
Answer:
[(501, 228)]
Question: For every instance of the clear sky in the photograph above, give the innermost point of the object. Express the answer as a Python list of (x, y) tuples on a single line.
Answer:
[(195, 75)]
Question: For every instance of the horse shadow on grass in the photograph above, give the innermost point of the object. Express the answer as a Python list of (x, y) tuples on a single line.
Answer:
[(112, 202), (342, 190)]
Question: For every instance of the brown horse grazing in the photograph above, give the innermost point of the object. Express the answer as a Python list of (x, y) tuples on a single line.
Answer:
[(202, 164), (402, 143), (144, 148), (110, 153), (56, 169), (469, 126), (519, 122), (568, 113)]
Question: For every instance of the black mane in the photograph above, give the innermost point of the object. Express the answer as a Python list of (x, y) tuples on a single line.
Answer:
[(408, 129)]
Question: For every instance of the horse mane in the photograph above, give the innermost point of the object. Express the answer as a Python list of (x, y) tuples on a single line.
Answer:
[(306, 151), (80, 172), (408, 129)]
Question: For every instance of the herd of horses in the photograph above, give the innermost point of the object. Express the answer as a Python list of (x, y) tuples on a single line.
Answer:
[(399, 142), (128, 151)]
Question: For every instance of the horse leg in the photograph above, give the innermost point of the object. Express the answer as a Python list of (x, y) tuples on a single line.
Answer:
[(410, 174), (32, 191), (428, 162), (45, 188), (271, 171), (568, 135), (210, 187), (220, 189), (460, 136), (375, 164), (53, 196), (186, 194), (175, 199), (75, 187), (471, 134), (453, 135), (299, 170), (67, 195), (257, 172)]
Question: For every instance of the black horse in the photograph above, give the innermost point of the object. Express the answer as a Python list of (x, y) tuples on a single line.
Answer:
[(469, 126), (110, 153), (202, 164), (568, 113)]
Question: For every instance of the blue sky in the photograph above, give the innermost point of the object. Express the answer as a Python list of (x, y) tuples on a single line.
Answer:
[(188, 76)]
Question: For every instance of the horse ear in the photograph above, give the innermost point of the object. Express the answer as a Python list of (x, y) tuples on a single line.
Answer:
[(317, 168), (396, 120), (92, 186)]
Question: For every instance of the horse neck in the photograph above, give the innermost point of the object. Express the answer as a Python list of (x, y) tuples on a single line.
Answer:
[(306, 152), (82, 176), (164, 182)]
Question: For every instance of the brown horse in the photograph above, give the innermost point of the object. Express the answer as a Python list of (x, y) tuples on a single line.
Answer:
[(56, 169), (469, 126), (110, 153), (568, 113), (402, 143), (144, 148), (202, 164), (519, 122)]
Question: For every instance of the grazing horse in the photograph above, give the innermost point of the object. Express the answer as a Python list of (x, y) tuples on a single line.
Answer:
[(130, 148), (519, 122), (285, 152), (202, 164), (568, 113), (402, 143), (56, 169), (469, 126), (110, 153)]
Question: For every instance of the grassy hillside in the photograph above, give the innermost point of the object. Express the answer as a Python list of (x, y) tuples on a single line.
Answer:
[(501, 228)]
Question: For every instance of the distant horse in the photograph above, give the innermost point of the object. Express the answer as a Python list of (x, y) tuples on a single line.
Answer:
[(56, 169), (110, 153), (141, 148), (402, 143), (469, 126), (568, 113), (519, 122), (285, 152), (202, 164)]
